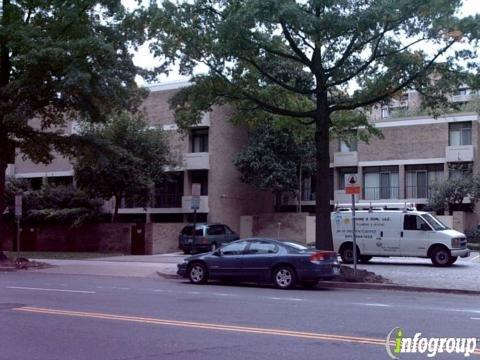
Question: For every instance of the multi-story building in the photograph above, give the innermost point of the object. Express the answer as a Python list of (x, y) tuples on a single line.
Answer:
[(204, 155), (416, 151)]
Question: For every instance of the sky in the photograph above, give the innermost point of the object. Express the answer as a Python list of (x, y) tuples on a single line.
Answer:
[(144, 59)]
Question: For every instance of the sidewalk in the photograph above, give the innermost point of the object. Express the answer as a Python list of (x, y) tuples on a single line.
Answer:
[(463, 275)]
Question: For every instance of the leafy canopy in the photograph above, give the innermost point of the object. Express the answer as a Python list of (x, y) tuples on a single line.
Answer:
[(125, 156)]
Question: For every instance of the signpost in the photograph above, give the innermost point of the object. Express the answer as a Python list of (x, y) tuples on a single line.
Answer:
[(195, 205), (18, 217), (353, 188)]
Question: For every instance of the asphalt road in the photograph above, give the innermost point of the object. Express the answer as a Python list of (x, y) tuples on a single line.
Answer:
[(50, 316)]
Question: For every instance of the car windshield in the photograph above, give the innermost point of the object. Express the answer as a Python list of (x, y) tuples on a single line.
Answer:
[(436, 224), (295, 245)]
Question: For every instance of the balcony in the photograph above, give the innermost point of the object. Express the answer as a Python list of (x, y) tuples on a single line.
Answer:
[(343, 159), (187, 202), (340, 197), (464, 97), (459, 153), (196, 161), (381, 193)]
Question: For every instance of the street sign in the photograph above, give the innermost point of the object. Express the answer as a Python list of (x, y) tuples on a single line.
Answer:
[(195, 203), (352, 187), (18, 205)]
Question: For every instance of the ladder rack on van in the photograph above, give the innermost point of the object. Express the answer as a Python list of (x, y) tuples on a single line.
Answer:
[(376, 206)]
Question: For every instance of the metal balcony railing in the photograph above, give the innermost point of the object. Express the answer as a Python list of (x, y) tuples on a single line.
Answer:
[(418, 192), (168, 201), (381, 193)]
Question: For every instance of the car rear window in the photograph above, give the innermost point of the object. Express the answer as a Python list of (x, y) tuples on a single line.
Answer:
[(189, 229), (294, 246)]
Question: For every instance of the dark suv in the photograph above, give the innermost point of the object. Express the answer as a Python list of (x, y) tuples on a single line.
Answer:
[(208, 237)]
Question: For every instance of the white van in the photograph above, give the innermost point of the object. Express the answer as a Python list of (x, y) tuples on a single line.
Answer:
[(395, 230)]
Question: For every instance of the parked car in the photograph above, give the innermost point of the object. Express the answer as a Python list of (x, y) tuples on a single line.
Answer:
[(262, 260), (208, 237)]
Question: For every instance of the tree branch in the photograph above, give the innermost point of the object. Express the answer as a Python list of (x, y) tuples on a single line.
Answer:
[(293, 45), (386, 94)]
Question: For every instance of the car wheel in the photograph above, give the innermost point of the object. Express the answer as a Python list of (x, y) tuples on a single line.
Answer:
[(197, 273), (346, 253), (284, 277), (365, 258), (441, 257)]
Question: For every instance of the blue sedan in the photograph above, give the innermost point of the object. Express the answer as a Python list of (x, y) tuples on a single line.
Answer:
[(262, 260)]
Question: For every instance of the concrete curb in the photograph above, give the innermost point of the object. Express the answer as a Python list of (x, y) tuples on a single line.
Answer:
[(370, 286), (374, 286)]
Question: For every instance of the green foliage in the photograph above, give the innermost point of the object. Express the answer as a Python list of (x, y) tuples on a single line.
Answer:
[(315, 61), (125, 156), (473, 236), (274, 156), (450, 193), (55, 205)]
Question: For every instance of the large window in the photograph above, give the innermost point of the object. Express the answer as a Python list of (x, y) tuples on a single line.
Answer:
[(380, 182), (350, 142), (201, 177), (421, 178), (200, 140), (460, 134), (169, 192), (414, 222), (235, 248)]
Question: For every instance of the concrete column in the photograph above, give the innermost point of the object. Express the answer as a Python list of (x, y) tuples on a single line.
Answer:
[(445, 171), (401, 181), (360, 182), (187, 183)]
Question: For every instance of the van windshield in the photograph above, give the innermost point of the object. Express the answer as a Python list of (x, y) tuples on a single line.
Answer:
[(436, 224)]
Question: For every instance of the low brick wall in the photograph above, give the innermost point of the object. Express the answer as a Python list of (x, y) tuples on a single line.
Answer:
[(162, 238), (285, 226), (106, 237)]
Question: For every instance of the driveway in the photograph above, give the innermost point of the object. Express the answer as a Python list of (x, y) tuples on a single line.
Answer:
[(463, 275)]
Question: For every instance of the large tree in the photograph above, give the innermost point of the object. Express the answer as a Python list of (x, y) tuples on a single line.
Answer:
[(313, 60), (60, 60), (125, 157), (277, 157)]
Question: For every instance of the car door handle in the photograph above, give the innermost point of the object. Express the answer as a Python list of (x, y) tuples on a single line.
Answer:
[(381, 233), (401, 233)]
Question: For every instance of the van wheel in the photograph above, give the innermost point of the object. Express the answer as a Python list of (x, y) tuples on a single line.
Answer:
[(453, 259), (346, 253), (365, 258), (441, 257)]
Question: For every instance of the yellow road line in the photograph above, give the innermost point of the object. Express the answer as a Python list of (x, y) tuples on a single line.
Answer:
[(210, 326)]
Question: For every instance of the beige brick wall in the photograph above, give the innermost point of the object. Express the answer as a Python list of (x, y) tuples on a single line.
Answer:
[(409, 142), (228, 197)]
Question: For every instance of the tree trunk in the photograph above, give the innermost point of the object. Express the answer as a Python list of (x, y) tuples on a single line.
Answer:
[(323, 227), (117, 199), (299, 207), (3, 205), (5, 150)]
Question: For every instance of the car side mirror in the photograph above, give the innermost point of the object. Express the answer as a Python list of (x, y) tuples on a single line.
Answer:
[(217, 253)]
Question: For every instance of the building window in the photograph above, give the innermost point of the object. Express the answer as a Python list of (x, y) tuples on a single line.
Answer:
[(385, 112), (201, 177), (349, 144), (169, 192), (419, 180), (380, 182), (460, 133), (200, 140), (460, 169), (344, 175)]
